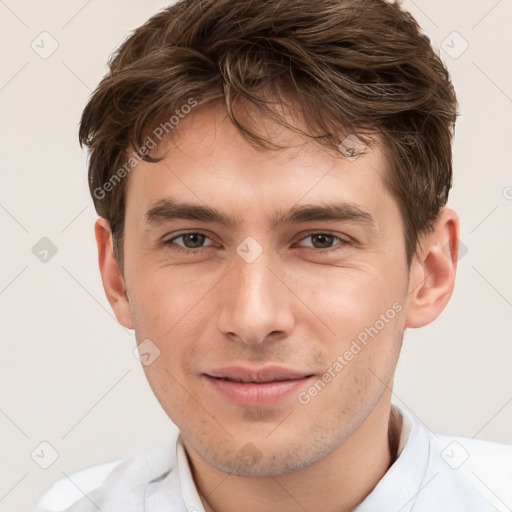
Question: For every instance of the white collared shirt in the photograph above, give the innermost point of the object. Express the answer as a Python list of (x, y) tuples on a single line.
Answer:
[(431, 474)]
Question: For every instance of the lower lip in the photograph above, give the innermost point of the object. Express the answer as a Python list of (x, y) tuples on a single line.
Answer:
[(250, 394)]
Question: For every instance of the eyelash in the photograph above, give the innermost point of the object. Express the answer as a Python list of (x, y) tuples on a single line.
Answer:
[(199, 250)]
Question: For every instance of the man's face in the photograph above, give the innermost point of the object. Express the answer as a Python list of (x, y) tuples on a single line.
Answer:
[(275, 294)]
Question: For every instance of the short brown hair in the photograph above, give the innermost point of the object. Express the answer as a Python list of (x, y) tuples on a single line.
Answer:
[(350, 66)]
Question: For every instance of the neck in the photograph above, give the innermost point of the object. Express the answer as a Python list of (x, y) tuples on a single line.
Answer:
[(340, 480)]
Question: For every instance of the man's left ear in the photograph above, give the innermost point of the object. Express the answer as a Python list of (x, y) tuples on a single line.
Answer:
[(432, 273)]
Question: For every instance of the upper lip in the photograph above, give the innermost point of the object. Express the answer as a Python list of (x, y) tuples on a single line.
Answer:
[(265, 374)]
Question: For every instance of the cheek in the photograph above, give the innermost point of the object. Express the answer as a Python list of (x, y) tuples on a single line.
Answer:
[(365, 313), (174, 333), (172, 313), (343, 301), (357, 373), (168, 300)]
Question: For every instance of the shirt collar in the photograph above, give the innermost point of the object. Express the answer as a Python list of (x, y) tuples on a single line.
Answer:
[(397, 489), (189, 492)]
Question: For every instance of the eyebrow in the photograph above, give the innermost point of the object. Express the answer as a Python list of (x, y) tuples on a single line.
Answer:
[(168, 209)]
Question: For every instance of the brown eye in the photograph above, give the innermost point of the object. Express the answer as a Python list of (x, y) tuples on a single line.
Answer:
[(192, 240), (323, 241)]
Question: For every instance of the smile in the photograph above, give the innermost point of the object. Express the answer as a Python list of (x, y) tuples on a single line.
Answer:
[(257, 388)]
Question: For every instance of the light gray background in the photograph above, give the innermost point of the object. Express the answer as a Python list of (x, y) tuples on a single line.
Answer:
[(68, 374)]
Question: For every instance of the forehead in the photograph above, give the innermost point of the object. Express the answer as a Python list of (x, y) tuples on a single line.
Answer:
[(209, 161)]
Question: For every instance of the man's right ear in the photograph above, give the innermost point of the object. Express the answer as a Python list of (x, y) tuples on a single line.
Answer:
[(111, 275)]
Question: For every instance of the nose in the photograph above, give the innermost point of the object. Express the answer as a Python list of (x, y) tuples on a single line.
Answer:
[(256, 306)]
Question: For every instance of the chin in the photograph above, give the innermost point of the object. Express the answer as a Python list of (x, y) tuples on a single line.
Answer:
[(250, 461)]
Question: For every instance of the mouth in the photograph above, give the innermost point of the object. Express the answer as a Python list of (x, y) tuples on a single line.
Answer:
[(257, 387), (254, 381)]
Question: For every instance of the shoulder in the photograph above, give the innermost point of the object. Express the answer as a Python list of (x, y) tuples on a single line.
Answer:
[(487, 465), (66, 491), (107, 482)]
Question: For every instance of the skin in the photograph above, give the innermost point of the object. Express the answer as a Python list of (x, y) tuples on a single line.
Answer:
[(300, 304)]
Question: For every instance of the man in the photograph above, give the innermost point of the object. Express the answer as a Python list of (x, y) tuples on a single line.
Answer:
[(271, 179)]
